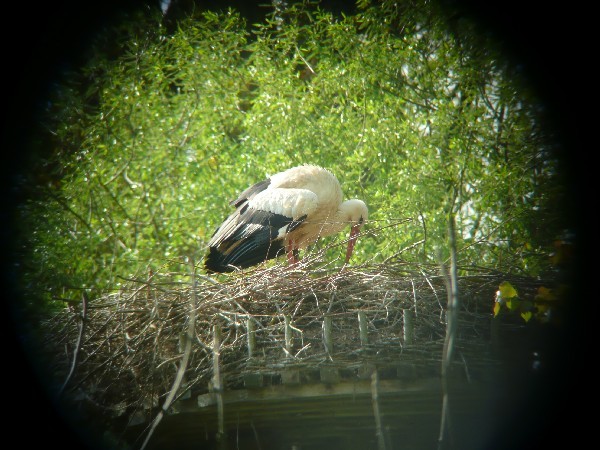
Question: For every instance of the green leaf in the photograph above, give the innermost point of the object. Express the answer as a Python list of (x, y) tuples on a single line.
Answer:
[(507, 291), (526, 315), (497, 308), (174, 122)]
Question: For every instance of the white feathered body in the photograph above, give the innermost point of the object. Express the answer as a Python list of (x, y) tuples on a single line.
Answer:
[(288, 211)]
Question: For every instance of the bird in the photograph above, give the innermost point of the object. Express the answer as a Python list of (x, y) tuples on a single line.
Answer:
[(281, 215)]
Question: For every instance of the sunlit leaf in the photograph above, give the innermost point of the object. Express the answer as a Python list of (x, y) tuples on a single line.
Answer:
[(526, 315), (497, 308), (507, 291)]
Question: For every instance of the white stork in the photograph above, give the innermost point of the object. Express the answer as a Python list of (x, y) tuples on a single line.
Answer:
[(284, 213)]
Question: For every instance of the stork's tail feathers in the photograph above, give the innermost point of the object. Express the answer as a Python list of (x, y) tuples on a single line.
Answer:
[(215, 262), (222, 261)]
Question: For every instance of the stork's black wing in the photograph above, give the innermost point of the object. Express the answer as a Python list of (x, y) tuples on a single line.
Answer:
[(248, 237)]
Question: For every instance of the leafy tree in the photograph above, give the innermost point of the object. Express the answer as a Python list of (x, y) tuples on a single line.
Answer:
[(416, 112)]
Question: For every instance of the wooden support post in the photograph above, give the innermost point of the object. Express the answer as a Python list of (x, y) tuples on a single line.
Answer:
[(250, 328), (217, 382), (288, 334), (327, 338), (362, 327), (409, 326)]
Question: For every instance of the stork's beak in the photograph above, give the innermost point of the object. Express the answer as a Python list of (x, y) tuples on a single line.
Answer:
[(352, 241)]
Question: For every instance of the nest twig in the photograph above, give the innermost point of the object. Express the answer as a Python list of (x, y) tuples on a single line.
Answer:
[(134, 339)]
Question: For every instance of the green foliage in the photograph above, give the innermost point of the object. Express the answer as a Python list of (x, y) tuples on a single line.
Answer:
[(417, 115), (541, 307)]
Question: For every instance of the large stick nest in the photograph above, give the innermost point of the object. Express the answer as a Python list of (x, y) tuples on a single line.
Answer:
[(133, 341)]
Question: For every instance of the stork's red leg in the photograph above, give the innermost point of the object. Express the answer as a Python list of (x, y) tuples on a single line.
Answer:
[(292, 253)]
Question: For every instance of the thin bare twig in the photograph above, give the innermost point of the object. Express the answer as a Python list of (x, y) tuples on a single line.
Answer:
[(182, 365), (84, 302)]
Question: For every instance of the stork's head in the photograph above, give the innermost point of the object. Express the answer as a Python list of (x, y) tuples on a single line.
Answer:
[(356, 213)]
